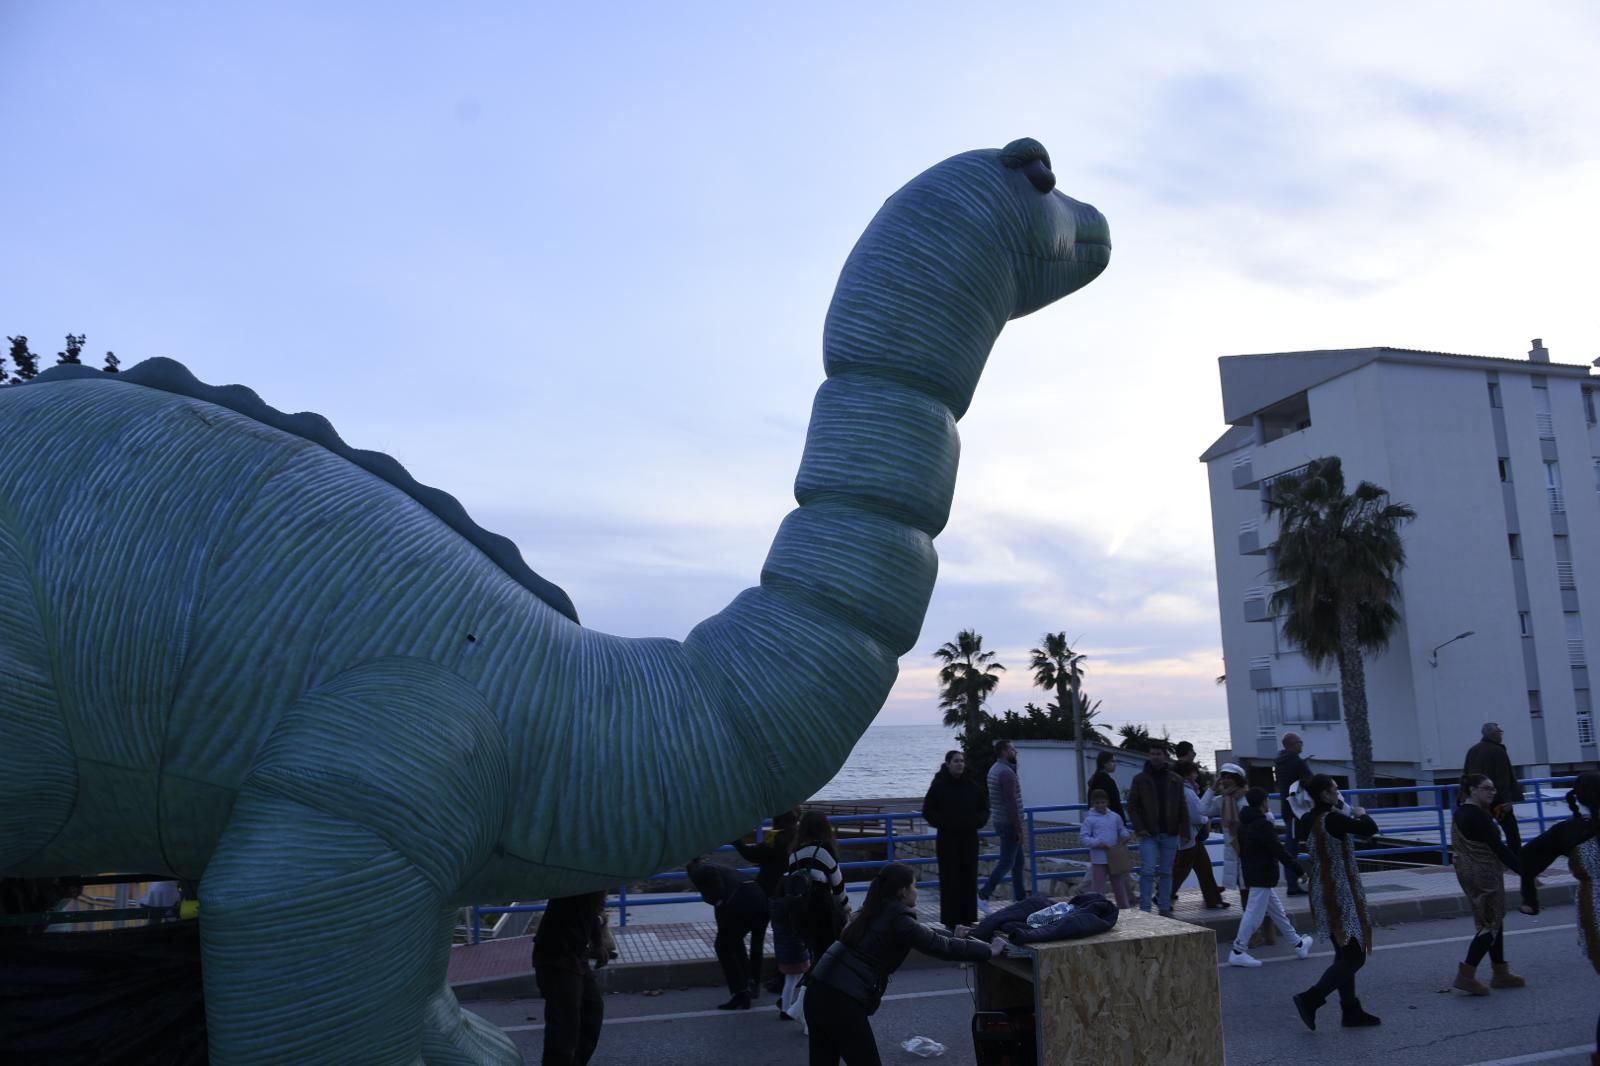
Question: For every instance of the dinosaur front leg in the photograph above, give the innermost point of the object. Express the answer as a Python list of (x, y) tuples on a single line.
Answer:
[(318, 940), (452, 1036)]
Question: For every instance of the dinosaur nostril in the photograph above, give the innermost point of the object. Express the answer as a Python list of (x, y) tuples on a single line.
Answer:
[(1039, 174)]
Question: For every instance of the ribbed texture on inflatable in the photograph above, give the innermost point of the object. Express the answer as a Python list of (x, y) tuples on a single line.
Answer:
[(234, 649)]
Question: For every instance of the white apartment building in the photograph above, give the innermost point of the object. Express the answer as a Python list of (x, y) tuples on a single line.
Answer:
[(1500, 458)]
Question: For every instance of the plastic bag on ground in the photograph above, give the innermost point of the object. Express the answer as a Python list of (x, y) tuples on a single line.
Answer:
[(925, 1046)]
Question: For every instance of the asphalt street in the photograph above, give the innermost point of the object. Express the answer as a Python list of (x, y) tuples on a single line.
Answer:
[(1406, 981)]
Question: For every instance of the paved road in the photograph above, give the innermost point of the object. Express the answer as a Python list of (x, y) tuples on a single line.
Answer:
[(1407, 982)]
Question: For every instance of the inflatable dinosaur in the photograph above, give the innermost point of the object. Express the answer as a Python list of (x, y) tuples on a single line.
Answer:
[(234, 649)]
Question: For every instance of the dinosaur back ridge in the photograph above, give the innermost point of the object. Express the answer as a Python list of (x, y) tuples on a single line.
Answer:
[(169, 375)]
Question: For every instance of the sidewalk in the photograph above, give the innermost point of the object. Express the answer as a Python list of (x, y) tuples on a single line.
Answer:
[(676, 953)]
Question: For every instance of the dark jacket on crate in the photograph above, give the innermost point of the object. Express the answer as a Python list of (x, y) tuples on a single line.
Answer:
[(957, 807), (1261, 850), (1091, 913), (862, 972)]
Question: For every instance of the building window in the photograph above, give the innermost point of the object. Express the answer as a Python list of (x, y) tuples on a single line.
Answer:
[(1505, 468), (1516, 544), (1311, 704), (1552, 486), (1588, 405), (1585, 716), (1525, 621), (1535, 706), (1597, 475), (1494, 394)]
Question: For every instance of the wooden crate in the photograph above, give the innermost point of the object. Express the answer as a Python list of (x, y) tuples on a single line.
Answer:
[(1144, 994)]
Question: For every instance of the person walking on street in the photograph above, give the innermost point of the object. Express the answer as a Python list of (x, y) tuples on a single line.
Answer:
[(1262, 852), (1577, 838), (1490, 758), (1290, 766), (1005, 808), (1481, 859), (816, 855), (1102, 780), (567, 946), (1160, 819), (848, 982), (771, 857), (741, 910), (1192, 853), (957, 806), (1338, 901), (1222, 802)]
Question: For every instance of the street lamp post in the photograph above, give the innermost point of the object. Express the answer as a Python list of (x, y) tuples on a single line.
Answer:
[(1433, 656)]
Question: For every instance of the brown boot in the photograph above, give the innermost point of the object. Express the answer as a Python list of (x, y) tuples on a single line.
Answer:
[(1504, 978), (1467, 981)]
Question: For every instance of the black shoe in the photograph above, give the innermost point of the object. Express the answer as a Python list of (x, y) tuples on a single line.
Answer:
[(1307, 1008), (1353, 1017), (775, 985), (738, 1002)]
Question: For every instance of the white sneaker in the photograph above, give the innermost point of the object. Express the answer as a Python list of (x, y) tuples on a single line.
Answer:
[(1302, 950), (1242, 958)]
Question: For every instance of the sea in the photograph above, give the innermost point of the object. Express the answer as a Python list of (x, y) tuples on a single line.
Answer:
[(900, 760)]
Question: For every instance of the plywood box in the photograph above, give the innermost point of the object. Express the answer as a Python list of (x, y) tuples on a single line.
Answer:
[(1144, 994)]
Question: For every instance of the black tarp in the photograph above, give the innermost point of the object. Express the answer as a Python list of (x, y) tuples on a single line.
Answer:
[(114, 997)]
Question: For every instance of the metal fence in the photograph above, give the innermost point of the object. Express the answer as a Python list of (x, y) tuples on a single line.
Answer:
[(1430, 818)]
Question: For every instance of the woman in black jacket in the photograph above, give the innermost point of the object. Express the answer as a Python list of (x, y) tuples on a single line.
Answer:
[(957, 806), (566, 948), (1481, 858), (1103, 780), (848, 982), (1338, 901)]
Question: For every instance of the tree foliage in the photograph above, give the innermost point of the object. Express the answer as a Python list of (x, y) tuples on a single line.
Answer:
[(1138, 738), (967, 678), (1338, 558), (74, 352), (26, 364), (1034, 723), (1057, 667)]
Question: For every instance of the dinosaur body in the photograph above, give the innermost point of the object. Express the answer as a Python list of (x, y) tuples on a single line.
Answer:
[(233, 650)]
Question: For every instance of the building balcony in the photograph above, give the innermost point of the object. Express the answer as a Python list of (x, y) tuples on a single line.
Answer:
[(1258, 604), (1251, 541), (1261, 673), (1243, 473)]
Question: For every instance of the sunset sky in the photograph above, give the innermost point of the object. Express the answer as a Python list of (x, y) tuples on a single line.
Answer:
[(572, 265)]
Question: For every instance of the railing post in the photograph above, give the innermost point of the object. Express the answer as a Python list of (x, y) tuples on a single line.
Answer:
[(1440, 794), (622, 907), (477, 926), (1033, 850), (888, 832), (1538, 794)]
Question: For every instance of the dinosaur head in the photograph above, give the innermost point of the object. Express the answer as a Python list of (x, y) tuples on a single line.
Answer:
[(965, 246), (1058, 245)]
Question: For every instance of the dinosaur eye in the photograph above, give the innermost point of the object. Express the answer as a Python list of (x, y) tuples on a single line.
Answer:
[(1039, 175)]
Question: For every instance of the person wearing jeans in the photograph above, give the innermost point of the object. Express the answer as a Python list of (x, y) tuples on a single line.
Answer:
[(1005, 809), (1160, 816)]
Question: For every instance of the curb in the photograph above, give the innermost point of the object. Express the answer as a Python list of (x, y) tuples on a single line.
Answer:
[(706, 973)]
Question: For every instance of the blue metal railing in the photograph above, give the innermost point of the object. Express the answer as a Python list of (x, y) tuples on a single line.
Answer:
[(1433, 817)]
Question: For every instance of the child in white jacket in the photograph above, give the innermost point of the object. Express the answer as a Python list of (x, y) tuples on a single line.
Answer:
[(1103, 829)]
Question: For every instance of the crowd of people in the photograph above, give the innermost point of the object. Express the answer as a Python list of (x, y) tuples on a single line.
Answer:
[(834, 964)]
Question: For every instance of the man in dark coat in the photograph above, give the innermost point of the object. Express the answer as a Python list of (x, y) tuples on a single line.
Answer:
[(1489, 758), (1288, 768), (1159, 814)]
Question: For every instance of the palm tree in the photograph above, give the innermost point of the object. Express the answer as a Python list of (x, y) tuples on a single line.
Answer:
[(1338, 557), (1137, 738), (967, 677), (1056, 666)]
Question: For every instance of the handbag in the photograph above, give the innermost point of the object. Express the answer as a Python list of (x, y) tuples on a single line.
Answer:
[(1119, 860)]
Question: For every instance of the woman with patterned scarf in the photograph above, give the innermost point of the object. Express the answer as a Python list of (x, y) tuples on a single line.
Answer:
[(1481, 858), (1338, 904), (1578, 839)]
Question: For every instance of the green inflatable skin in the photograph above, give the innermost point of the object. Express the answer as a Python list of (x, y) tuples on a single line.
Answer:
[(233, 649)]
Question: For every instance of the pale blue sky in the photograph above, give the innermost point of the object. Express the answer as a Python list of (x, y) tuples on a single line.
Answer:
[(571, 264)]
